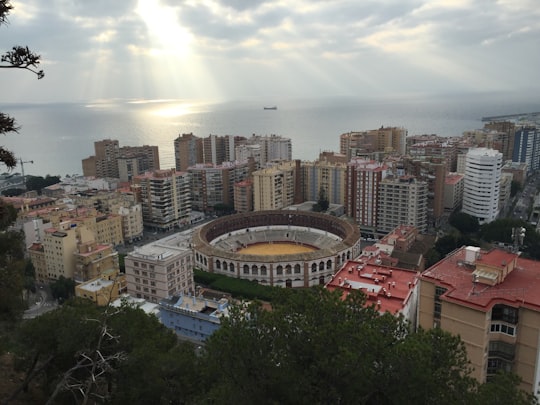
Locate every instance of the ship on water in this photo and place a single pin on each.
(270, 108)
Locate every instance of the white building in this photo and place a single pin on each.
(483, 168)
(161, 269)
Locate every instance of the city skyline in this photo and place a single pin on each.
(151, 49)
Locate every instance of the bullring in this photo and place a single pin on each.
(329, 242)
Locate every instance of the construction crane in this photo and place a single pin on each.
(22, 169)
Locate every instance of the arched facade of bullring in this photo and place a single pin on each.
(334, 241)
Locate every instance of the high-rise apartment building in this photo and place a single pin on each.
(187, 151)
(402, 201)
(327, 177)
(112, 161)
(243, 196)
(432, 170)
(527, 147)
(161, 269)
(441, 150)
(264, 149)
(165, 197)
(214, 184)
(482, 184)
(107, 152)
(508, 128)
(363, 182)
(490, 299)
(453, 191)
(134, 160)
(274, 188)
(357, 144)
(365, 143)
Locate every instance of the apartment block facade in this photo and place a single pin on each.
(243, 196)
(453, 191)
(53, 255)
(161, 269)
(490, 299)
(112, 161)
(527, 147)
(274, 188)
(326, 176)
(363, 182)
(165, 197)
(214, 184)
(402, 201)
(93, 259)
(482, 184)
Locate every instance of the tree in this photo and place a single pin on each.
(515, 187)
(63, 288)
(38, 183)
(322, 203)
(19, 57)
(12, 270)
(314, 347)
(464, 223)
(85, 354)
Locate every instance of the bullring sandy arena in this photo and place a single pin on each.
(280, 248)
(275, 248)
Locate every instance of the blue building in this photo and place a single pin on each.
(193, 318)
(527, 147)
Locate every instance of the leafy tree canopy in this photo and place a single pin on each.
(38, 183)
(314, 347)
(464, 223)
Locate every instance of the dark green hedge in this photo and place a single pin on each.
(237, 287)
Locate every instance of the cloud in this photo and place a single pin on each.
(235, 48)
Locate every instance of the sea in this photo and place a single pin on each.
(54, 138)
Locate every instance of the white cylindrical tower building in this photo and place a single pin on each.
(482, 184)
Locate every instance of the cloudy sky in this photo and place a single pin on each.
(227, 49)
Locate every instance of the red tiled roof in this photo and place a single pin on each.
(519, 288)
(453, 178)
(386, 287)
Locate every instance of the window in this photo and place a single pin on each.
(496, 364)
(504, 313)
(502, 350)
(437, 306)
(503, 328)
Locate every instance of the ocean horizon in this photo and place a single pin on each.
(56, 137)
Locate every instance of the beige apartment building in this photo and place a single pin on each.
(53, 256)
(402, 201)
(161, 269)
(490, 299)
(92, 259)
(275, 187)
